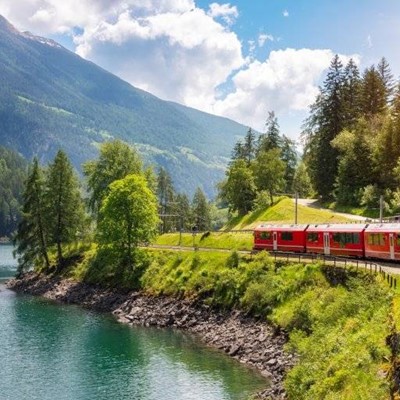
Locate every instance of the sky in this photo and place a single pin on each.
(240, 59)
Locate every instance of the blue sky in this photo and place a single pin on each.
(238, 59)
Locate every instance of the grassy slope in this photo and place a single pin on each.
(283, 212)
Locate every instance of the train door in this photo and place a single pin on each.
(327, 249)
(391, 244)
(275, 240)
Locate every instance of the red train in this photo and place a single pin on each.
(356, 240)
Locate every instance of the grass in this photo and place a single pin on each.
(216, 240)
(284, 212)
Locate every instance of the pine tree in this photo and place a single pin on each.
(325, 123)
(271, 138)
(387, 78)
(351, 94)
(65, 217)
(289, 157)
(31, 238)
(166, 199)
(373, 93)
(201, 211)
(184, 212)
(249, 146)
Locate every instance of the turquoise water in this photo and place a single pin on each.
(51, 351)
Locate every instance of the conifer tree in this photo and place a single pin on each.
(374, 93)
(31, 238)
(65, 217)
(166, 199)
(249, 146)
(201, 211)
(351, 94)
(387, 78)
(271, 138)
(184, 212)
(289, 157)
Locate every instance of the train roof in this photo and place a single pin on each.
(336, 227)
(385, 227)
(281, 227)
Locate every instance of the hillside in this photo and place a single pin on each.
(52, 98)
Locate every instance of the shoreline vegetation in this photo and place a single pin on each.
(314, 332)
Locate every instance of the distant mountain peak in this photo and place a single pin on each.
(43, 40)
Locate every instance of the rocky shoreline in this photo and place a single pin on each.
(251, 342)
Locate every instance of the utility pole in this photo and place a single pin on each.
(381, 209)
(295, 207)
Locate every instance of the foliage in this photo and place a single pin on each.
(12, 176)
(31, 238)
(116, 160)
(128, 217)
(65, 217)
(201, 211)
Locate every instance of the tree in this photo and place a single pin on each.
(116, 160)
(355, 166)
(166, 199)
(289, 157)
(239, 189)
(269, 171)
(31, 238)
(301, 181)
(128, 217)
(249, 146)
(351, 94)
(271, 138)
(65, 217)
(373, 93)
(386, 76)
(326, 121)
(184, 212)
(201, 211)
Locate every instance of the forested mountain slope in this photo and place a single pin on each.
(51, 98)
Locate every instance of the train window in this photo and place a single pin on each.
(287, 236)
(346, 238)
(312, 237)
(265, 235)
(398, 239)
(376, 239)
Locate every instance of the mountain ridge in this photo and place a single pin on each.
(52, 98)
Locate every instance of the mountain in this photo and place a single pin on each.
(51, 98)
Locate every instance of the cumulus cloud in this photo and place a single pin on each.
(286, 81)
(285, 13)
(226, 11)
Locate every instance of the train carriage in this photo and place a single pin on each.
(382, 241)
(280, 238)
(336, 239)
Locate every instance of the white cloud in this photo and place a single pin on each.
(263, 37)
(285, 13)
(226, 11)
(286, 82)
